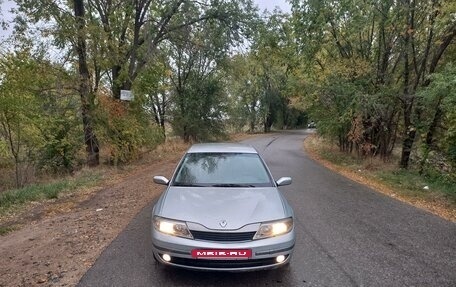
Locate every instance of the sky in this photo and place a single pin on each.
(271, 4)
(6, 6)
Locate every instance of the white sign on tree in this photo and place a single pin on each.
(126, 95)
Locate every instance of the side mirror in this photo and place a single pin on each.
(161, 180)
(284, 181)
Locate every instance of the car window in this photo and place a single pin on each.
(222, 170)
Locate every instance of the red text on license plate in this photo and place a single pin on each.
(222, 253)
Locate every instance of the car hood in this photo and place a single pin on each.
(209, 206)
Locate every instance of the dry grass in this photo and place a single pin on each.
(172, 146)
(176, 146)
(237, 137)
(382, 177)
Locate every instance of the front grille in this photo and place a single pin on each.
(205, 263)
(222, 236)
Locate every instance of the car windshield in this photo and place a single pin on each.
(222, 170)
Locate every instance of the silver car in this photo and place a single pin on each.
(222, 211)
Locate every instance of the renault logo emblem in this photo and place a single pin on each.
(223, 223)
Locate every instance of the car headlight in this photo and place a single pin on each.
(274, 228)
(171, 227)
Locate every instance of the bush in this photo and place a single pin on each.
(125, 128)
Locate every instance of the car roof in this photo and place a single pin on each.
(221, 148)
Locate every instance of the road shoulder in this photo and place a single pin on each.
(435, 207)
(60, 245)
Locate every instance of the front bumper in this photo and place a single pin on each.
(264, 252)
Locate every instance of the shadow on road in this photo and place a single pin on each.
(182, 277)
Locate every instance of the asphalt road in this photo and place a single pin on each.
(347, 235)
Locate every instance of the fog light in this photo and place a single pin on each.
(166, 257)
(280, 258)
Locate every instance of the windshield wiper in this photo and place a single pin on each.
(232, 185)
(187, 184)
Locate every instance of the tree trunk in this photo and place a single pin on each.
(91, 141)
(433, 127)
(429, 143)
(407, 145)
(116, 86)
(268, 122)
(252, 126)
(407, 104)
(409, 134)
(252, 117)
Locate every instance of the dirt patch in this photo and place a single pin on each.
(59, 241)
(436, 207)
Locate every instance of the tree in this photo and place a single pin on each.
(260, 80)
(135, 29)
(424, 43)
(402, 43)
(19, 111)
(198, 94)
(153, 89)
(87, 96)
(116, 40)
(439, 129)
(38, 124)
(244, 91)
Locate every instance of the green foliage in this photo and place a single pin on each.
(439, 110)
(334, 106)
(363, 64)
(244, 89)
(12, 199)
(126, 129)
(152, 90)
(6, 229)
(198, 54)
(274, 53)
(40, 127)
(448, 134)
(20, 110)
(411, 183)
(115, 42)
(63, 142)
(199, 113)
(61, 129)
(3, 149)
(260, 81)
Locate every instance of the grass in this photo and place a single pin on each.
(411, 183)
(10, 200)
(336, 157)
(6, 229)
(439, 196)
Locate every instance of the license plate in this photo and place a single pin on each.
(222, 253)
